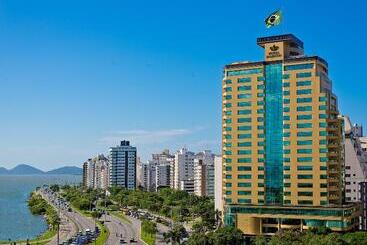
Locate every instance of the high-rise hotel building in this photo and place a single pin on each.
(282, 143)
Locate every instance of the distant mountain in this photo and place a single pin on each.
(3, 171)
(24, 169)
(67, 170)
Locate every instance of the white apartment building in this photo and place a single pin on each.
(218, 186)
(123, 165)
(355, 161)
(204, 174)
(183, 170)
(363, 141)
(96, 173)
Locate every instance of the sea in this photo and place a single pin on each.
(16, 221)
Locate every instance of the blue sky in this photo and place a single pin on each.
(78, 76)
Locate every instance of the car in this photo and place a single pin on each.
(133, 240)
(122, 241)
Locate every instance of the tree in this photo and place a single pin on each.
(199, 239)
(355, 238)
(287, 237)
(226, 235)
(175, 235)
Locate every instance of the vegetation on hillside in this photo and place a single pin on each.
(314, 236)
(39, 206)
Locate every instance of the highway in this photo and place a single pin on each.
(121, 229)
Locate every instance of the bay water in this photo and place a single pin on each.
(16, 221)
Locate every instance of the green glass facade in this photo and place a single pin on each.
(274, 134)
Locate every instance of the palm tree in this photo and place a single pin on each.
(218, 218)
(175, 235)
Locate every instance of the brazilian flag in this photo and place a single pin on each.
(274, 19)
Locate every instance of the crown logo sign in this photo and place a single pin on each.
(274, 48)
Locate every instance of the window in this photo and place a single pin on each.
(244, 72)
(228, 97)
(260, 94)
(260, 111)
(304, 125)
(260, 152)
(286, 85)
(229, 176)
(287, 151)
(286, 118)
(227, 144)
(244, 128)
(228, 192)
(228, 113)
(286, 92)
(304, 134)
(261, 143)
(304, 151)
(244, 176)
(242, 184)
(304, 83)
(244, 136)
(286, 126)
(229, 89)
(242, 104)
(304, 176)
(323, 142)
(244, 160)
(228, 128)
(260, 103)
(323, 159)
(244, 96)
(244, 80)
(305, 185)
(323, 150)
(244, 168)
(304, 168)
(244, 152)
(322, 99)
(243, 144)
(243, 88)
(228, 121)
(260, 119)
(304, 159)
(304, 142)
(228, 168)
(305, 202)
(260, 79)
(243, 120)
(304, 74)
(227, 152)
(244, 112)
(228, 81)
(286, 159)
(228, 105)
(304, 100)
(304, 108)
(286, 109)
(322, 133)
(260, 86)
(305, 193)
(261, 135)
(244, 201)
(304, 91)
(323, 116)
(260, 127)
(286, 76)
(244, 193)
(304, 117)
(227, 160)
(298, 67)
(228, 184)
(286, 101)
(228, 136)
(322, 125)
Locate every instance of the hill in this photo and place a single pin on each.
(24, 169)
(67, 170)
